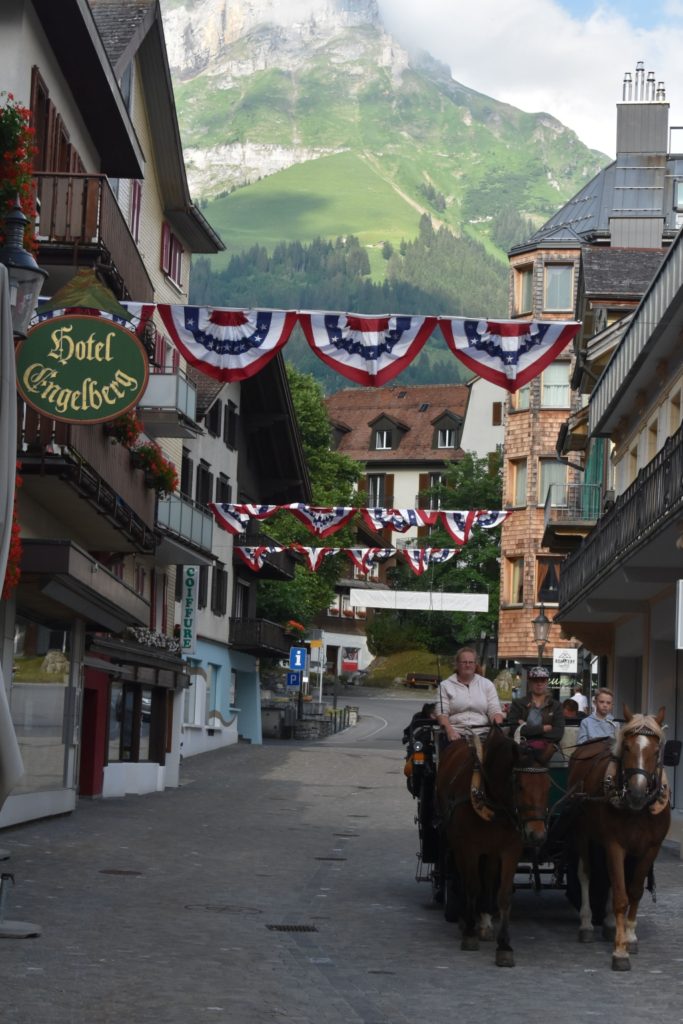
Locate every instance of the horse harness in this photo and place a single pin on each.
(616, 779)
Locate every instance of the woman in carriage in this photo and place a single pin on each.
(538, 716)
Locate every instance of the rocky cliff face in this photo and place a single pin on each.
(201, 34)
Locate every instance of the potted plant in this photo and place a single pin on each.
(333, 611)
(295, 629)
(160, 473)
(17, 149)
(348, 613)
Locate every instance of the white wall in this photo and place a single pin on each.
(479, 435)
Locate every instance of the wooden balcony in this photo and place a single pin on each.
(81, 224)
(259, 637)
(62, 464)
(571, 512)
(640, 517)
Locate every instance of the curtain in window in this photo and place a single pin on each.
(555, 386)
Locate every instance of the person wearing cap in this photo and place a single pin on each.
(467, 701)
(540, 716)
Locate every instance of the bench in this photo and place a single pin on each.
(421, 680)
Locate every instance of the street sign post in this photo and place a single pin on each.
(297, 659)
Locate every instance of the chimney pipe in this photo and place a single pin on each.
(640, 82)
(627, 90)
(661, 91)
(650, 86)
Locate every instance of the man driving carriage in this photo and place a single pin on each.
(466, 700)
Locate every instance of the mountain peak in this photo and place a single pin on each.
(201, 32)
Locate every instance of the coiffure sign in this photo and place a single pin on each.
(81, 369)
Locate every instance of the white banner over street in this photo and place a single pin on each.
(419, 600)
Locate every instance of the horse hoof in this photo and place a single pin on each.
(621, 963)
(505, 958)
(609, 932)
(469, 943)
(586, 935)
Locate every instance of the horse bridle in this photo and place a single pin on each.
(520, 821)
(616, 795)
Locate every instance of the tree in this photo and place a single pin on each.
(471, 483)
(332, 478)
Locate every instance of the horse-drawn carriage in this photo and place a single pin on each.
(492, 819)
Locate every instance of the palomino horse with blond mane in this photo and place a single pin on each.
(493, 800)
(623, 801)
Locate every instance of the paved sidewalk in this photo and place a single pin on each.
(276, 885)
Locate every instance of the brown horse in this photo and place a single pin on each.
(493, 799)
(624, 807)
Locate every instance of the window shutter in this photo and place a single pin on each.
(496, 414)
(388, 503)
(422, 501)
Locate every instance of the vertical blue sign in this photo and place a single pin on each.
(297, 659)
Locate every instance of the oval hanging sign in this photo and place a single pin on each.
(81, 369)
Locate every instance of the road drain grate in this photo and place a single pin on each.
(119, 871)
(330, 858)
(291, 928)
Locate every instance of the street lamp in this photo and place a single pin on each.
(25, 276)
(541, 626)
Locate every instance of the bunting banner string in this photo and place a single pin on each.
(419, 559)
(231, 344)
(323, 521)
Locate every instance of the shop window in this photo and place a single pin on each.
(132, 709)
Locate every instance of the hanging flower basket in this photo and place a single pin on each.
(17, 149)
(125, 429)
(160, 473)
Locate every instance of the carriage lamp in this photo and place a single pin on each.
(541, 625)
(25, 276)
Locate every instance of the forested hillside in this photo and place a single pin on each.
(436, 273)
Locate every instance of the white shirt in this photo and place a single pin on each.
(468, 704)
(582, 700)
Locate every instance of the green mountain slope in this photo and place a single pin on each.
(330, 197)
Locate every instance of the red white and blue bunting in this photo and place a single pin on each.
(368, 350)
(323, 521)
(419, 559)
(227, 344)
(507, 352)
(234, 344)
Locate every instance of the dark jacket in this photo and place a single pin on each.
(551, 714)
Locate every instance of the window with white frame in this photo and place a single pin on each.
(555, 386)
(559, 286)
(518, 476)
(376, 490)
(383, 440)
(552, 474)
(446, 438)
(547, 580)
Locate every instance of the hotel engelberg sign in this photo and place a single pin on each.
(81, 369)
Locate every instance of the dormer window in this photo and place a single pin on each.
(446, 438)
(447, 431)
(383, 440)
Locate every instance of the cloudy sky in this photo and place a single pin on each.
(566, 57)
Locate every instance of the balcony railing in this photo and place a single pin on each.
(80, 217)
(573, 503)
(652, 501)
(169, 405)
(259, 637)
(186, 520)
